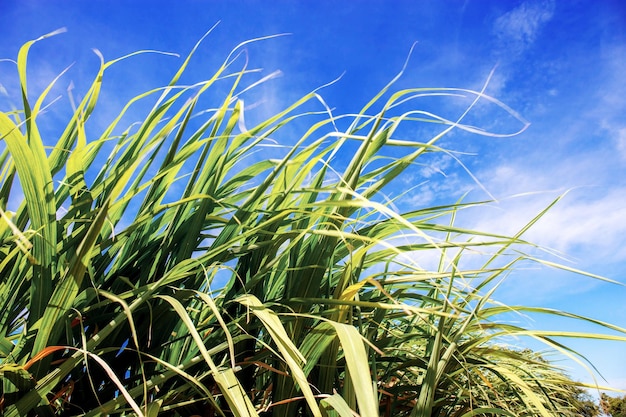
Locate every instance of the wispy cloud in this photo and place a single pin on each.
(586, 225)
(518, 28)
(580, 148)
(610, 101)
(620, 142)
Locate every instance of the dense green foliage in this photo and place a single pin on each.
(166, 268)
(614, 406)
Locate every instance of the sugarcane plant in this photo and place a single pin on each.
(175, 267)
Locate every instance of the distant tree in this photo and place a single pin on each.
(613, 406)
(584, 404)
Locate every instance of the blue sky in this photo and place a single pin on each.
(560, 65)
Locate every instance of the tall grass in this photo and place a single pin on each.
(165, 269)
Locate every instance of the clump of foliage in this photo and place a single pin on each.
(167, 270)
(614, 406)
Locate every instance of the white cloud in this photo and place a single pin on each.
(587, 224)
(518, 28)
(594, 227)
(431, 181)
(613, 65)
(610, 102)
(620, 142)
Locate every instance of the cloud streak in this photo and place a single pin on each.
(517, 29)
(587, 224)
